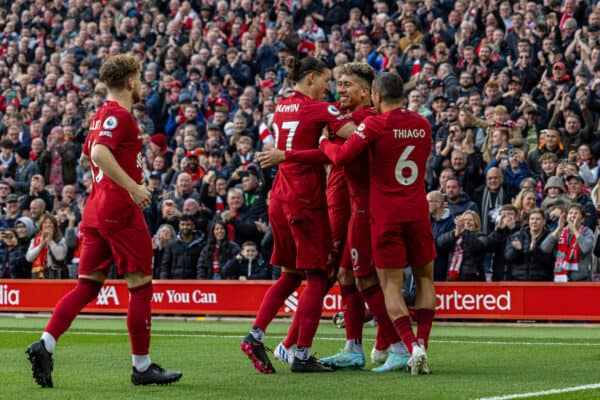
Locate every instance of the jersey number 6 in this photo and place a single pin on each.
(402, 164)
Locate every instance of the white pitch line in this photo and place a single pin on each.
(544, 392)
(210, 336)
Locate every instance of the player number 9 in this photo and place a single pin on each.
(354, 255)
(402, 164)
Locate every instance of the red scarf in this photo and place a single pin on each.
(39, 264)
(231, 228)
(456, 261)
(216, 268)
(567, 255)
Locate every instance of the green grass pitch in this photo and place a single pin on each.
(468, 362)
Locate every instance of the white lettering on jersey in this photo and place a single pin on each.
(288, 108)
(331, 109)
(95, 125)
(359, 131)
(110, 123)
(106, 133)
(409, 133)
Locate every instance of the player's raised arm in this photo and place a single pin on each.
(272, 157)
(352, 147)
(103, 157)
(346, 130)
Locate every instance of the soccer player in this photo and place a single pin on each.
(399, 142)
(357, 277)
(113, 228)
(298, 213)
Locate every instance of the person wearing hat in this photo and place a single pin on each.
(158, 145)
(193, 168)
(12, 211)
(575, 191)
(554, 195)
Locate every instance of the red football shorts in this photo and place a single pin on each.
(302, 238)
(338, 208)
(359, 246)
(130, 248)
(402, 244)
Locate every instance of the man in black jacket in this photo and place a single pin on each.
(181, 255)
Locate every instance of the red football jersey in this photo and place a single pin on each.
(356, 172)
(298, 123)
(399, 143)
(110, 205)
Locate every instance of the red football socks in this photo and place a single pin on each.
(354, 311)
(292, 336)
(386, 334)
(70, 305)
(404, 330)
(424, 320)
(310, 307)
(139, 318)
(274, 298)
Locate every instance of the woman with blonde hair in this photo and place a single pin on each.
(525, 202)
(48, 250)
(467, 245)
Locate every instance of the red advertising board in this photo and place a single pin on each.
(498, 301)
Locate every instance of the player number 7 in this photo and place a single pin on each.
(402, 164)
(291, 126)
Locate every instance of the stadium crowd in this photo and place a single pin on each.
(511, 90)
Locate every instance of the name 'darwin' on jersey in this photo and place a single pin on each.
(288, 108)
(409, 133)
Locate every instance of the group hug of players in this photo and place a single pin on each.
(363, 225)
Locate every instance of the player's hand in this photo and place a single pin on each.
(270, 157)
(141, 195)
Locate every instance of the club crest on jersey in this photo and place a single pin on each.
(110, 123)
(333, 110)
(106, 133)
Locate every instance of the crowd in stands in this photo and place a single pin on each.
(511, 89)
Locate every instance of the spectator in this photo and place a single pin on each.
(164, 235)
(47, 251)
(181, 254)
(218, 250)
(525, 202)
(238, 218)
(441, 222)
(25, 170)
(183, 190)
(248, 264)
(491, 197)
(467, 245)
(458, 201)
(508, 224)
(13, 264)
(37, 191)
(12, 212)
(573, 244)
(576, 194)
(201, 215)
(549, 144)
(527, 258)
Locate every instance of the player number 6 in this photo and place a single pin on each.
(402, 164)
